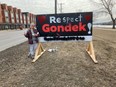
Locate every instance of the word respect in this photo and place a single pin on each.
(53, 19)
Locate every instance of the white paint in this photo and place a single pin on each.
(89, 25)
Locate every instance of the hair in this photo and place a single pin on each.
(32, 24)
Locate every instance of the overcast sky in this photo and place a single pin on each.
(47, 6)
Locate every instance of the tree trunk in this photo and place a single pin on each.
(113, 24)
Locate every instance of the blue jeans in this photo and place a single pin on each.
(32, 48)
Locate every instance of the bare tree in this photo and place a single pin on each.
(107, 7)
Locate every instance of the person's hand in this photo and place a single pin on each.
(35, 35)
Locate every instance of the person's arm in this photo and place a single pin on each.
(37, 34)
(26, 34)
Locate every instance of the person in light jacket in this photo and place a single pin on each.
(32, 34)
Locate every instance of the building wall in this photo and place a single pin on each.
(11, 14)
(12, 17)
(26, 16)
(5, 15)
(1, 14)
(34, 19)
(15, 14)
(30, 17)
(20, 16)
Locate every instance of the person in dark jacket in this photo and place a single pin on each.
(32, 34)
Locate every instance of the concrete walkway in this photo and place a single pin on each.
(9, 38)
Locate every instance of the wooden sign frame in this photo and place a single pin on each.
(39, 51)
(90, 50)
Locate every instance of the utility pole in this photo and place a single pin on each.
(61, 7)
(55, 6)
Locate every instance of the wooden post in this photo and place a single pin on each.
(90, 51)
(39, 52)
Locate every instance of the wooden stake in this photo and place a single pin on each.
(39, 52)
(90, 51)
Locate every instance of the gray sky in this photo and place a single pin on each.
(47, 6)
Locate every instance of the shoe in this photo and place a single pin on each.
(29, 55)
(32, 56)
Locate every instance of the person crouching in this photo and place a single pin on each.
(32, 34)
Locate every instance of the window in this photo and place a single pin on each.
(24, 19)
(17, 18)
(21, 18)
(12, 20)
(28, 20)
(21, 21)
(6, 16)
(7, 19)
(6, 13)
(12, 17)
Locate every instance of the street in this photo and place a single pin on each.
(9, 38)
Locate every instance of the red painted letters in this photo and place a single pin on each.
(68, 28)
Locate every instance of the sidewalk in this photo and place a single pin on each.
(9, 38)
